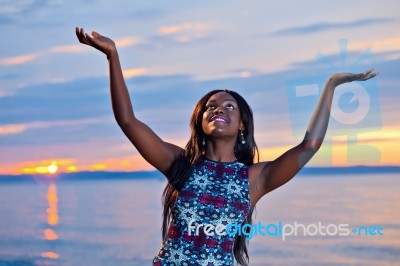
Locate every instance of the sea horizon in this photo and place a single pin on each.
(155, 174)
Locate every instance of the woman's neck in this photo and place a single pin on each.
(220, 151)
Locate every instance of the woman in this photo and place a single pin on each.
(213, 181)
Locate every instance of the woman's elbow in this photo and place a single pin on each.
(312, 144)
(125, 122)
(309, 149)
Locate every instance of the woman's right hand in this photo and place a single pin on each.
(101, 43)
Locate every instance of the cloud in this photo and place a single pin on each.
(70, 48)
(380, 45)
(79, 110)
(164, 103)
(19, 128)
(183, 33)
(55, 101)
(183, 27)
(325, 26)
(127, 41)
(12, 129)
(133, 72)
(79, 48)
(22, 59)
(182, 39)
(234, 73)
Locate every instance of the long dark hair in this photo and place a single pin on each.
(181, 169)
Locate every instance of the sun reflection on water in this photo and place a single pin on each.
(52, 220)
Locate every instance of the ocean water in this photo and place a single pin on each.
(117, 222)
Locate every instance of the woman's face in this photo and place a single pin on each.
(221, 117)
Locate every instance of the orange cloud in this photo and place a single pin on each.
(384, 141)
(12, 129)
(382, 45)
(127, 163)
(72, 48)
(133, 72)
(127, 41)
(47, 166)
(19, 128)
(182, 39)
(17, 60)
(68, 165)
(184, 27)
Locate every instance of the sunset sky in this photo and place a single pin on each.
(55, 111)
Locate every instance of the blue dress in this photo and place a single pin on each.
(218, 194)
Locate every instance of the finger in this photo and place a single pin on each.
(370, 75)
(373, 74)
(85, 38)
(90, 40)
(369, 71)
(363, 75)
(80, 33)
(96, 34)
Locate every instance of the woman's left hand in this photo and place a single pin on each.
(340, 78)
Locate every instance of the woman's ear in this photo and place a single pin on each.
(241, 126)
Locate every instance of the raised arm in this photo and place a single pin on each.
(158, 153)
(267, 176)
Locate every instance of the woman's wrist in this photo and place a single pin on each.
(332, 82)
(112, 55)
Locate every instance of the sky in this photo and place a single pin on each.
(55, 110)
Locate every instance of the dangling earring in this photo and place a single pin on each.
(242, 137)
(203, 143)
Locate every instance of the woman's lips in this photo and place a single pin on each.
(218, 118)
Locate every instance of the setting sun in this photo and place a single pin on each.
(43, 167)
(52, 168)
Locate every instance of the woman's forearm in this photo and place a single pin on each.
(120, 100)
(318, 124)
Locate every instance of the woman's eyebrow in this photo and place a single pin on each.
(227, 100)
(231, 100)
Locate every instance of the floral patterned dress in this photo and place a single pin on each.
(216, 193)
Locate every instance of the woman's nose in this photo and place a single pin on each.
(218, 110)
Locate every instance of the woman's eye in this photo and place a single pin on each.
(230, 106)
(210, 107)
